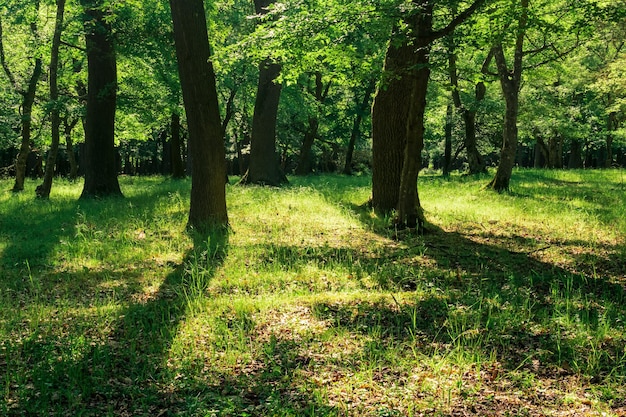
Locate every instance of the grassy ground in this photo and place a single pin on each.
(512, 305)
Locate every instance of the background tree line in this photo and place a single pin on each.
(450, 84)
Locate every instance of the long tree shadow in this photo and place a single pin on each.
(120, 374)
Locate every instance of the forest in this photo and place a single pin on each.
(313, 207)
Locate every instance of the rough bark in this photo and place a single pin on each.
(361, 108)
(100, 155)
(612, 126)
(389, 123)
(409, 211)
(178, 171)
(43, 191)
(264, 167)
(206, 142)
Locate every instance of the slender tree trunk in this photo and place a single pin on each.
(264, 165)
(178, 170)
(612, 126)
(43, 191)
(28, 101)
(100, 154)
(305, 163)
(447, 153)
(206, 141)
(501, 181)
(475, 160)
(510, 81)
(361, 108)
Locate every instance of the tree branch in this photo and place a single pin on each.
(462, 17)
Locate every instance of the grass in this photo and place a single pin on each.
(512, 305)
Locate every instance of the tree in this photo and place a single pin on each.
(206, 142)
(43, 191)
(264, 165)
(399, 108)
(28, 98)
(100, 154)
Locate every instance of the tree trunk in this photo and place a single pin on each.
(447, 153)
(43, 191)
(389, 123)
(206, 141)
(178, 170)
(69, 146)
(305, 165)
(100, 154)
(409, 211)
(510, 81)
(612, 126)
(576, 155)
(475, 160)
(264, 165)
(361, 108)
(27, 110)
(502, 179)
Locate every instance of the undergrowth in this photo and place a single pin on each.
(312, 305)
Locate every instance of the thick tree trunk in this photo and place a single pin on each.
(178, 170)
(264, 165)
(361, 108)
(206, 141)
(43, 191)
(100, 153)
(27, 110)
(389, 123)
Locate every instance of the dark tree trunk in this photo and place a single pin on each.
(612, 126)
(410, 213)
(100, 154)
(389, 123)
(178, 170)
(361, 108)
(305, 160)
(206, 141)
(501, 181)
(27, 110)
(475, 160)
(576, 155)
(510, 81)
(264, 165)
(69, 146)
(447, 153)
(43, 191)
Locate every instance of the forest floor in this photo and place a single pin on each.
(312, 305)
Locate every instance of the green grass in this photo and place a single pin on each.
(312, 305)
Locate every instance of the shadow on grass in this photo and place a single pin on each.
(120, 375)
